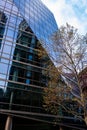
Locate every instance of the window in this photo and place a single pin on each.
(30, 57)
(28, 74)
(27, 81)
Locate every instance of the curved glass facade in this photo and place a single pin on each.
(23, 24)
(38, 17)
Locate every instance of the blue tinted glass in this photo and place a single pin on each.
(27, 81)
(38, 17)
(30, 57)
(28, 73)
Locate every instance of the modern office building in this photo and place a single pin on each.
(24, 26)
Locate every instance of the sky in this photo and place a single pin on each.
(73, 12)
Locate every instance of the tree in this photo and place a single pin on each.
(68, 53)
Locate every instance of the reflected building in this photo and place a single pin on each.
(27, 24)
(25, 72)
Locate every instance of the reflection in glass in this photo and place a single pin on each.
(21, 77)
(3, 20)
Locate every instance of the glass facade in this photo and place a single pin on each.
(23, 24)
(38, 17)
(3, 19)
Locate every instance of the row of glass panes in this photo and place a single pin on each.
(9, 22)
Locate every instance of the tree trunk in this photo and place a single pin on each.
(60, 128)
(8, 125)
(85, 119)
(85, 114)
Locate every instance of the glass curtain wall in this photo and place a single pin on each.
(21, 70)
(20, 67)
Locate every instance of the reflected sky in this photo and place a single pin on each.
(39, 19)
(8, 40)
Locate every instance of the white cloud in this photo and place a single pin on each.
(79, 3)
(86, 11)
(64, 12)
